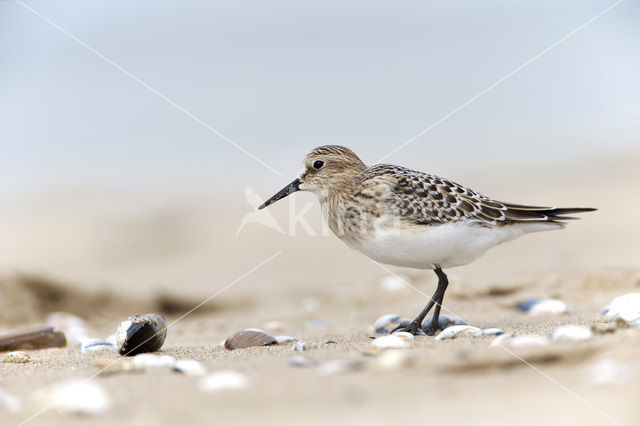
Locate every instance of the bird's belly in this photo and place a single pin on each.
(423, 246)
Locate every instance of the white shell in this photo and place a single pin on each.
(456, 331)
(625, 308)
(394, 360)
(76, 396)
(280, 340)
(491, 332)
(147, 360)
(400, 340)
(571, 334)
(549, 307)
(10, 401)
(525, 341)
(92, 345)
(189, 367)
(17, 357)
(387, 322)
(224, 380)
(394, 283)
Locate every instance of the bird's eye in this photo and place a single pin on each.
(318, 164)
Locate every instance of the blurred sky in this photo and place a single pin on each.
(279, 78)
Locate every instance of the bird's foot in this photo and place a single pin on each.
(430, 330)
(413, 328)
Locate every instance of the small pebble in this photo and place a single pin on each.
(394, 360)
(281, 340)
(302, 361)
(491, 332)
(571, 334)
(17, 357)
(625, 308)
(339, 366)
(388, 322)
(444, 321)
(247, 338)
(224, 380)
(394, 283)
(75, 396)
(512, 341)
(544, 307)
(9, 401)
(456, 331)
(305, 346)
(400, 340)
(92, 345)
(141, 333)
(189, 367)
(147, 361)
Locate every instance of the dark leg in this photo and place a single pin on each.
(436, 300)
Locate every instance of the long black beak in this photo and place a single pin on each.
(289, 189)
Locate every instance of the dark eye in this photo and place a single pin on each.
(318, 164)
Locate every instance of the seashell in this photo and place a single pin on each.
(400, 340)
(444, 321)
(247, 338)
(75, 396)
(141, 333)
(609, 371)
(9, 401)
(339, 366)
(148, 361)
(301, 361)
(73, 327)
(17, 357)
(388, 322)
(544, 307)
(625, 308)
(189, 367)
(304, 346)
(456, 331)
(281, 340)
(394, 283)
(571, 334)
(394, 360)
(93, 345)
(39, 337)
(491, 332)
(525, 341)
(223, 380)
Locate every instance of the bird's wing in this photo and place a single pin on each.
(425, 199)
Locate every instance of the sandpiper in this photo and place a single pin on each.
(403, 217)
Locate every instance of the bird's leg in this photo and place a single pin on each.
(436, 300)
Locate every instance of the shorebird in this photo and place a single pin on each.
(407, 218)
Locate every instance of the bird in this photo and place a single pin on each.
(407, 218)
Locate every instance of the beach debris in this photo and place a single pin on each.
(444, 321)
(339, 366)
(38, 337)
(9, 401)
(608, 371)
(16, 357)
(223, 380)
(93, 345)
(491, 332)
(141, 333)
(400, 340)
(281, 340)
(301, 346)
(394, 282)
(302, 361)
(73, 327)
(189, 367)
(525, 341)
(388, 322)
(75, 396)
(625, 309)
(247, 338)
(544, 307)
(394, 360)
(274, 327)
(456, 331)
(571, 334)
